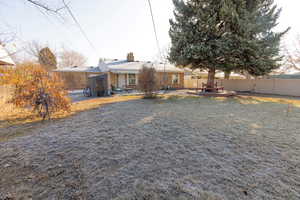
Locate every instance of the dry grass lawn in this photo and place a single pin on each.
(17, 121)
(11, 115)
(176, 147)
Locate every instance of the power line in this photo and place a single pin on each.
(154, 28)
(50, 21)
(79, 26)
(157, 43)
(45, 7)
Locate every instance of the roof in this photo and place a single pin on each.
(5, 59)
(295, 75)
(123, 66)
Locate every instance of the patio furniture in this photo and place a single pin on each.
(128, 89)
(216, 88)
(87, 92)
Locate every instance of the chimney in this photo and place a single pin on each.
(130, 57)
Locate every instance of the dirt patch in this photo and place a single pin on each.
(184, 148)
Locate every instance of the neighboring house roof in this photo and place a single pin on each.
(89, 69)
(287, 76)
(288, 71)
(5, 59)
(219, 74)
(121, 66)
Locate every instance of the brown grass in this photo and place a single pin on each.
(16, 122)
(10, 115)
(260, 99)
(245, 99)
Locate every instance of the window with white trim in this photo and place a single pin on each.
(175, 78)
(131, 79)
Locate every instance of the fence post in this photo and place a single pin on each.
(273, 89)
(254, 85)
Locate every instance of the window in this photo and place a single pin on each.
(131, 79)
(175, 79)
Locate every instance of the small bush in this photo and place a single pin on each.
(36, 88)
(147, 82)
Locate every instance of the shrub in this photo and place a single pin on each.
(36, 88)
(147, 82)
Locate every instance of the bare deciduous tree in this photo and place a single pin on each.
(33, 49)
(42, 54)
(69, 58)
(292, 56)
(7, 36)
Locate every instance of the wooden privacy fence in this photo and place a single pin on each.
(289, 87)
(194, 83)
(197, 83)
(75, 80)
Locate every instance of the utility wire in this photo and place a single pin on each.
(154, 28)
(51, 22)
(79, 26)
(157, 43)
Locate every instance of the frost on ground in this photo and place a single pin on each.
(189, 148)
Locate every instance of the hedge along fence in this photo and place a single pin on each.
(289, 87)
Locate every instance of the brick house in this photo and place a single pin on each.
(123, 73)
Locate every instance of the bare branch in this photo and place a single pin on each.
(69, 58)
(6, 37)
(292, 58)
(45, 7)
(34, 48)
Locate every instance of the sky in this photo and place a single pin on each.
(114, 27)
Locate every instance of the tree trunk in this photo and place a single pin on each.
(227, 75)
(211, 79)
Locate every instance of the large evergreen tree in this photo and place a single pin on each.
(227, 35)
(47, 59)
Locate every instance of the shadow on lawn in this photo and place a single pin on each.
(22, 122)
(242, 99)
(289, 105)
(19, 122)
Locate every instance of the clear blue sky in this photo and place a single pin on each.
(115, 27)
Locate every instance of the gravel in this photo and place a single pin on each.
(179, 148)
